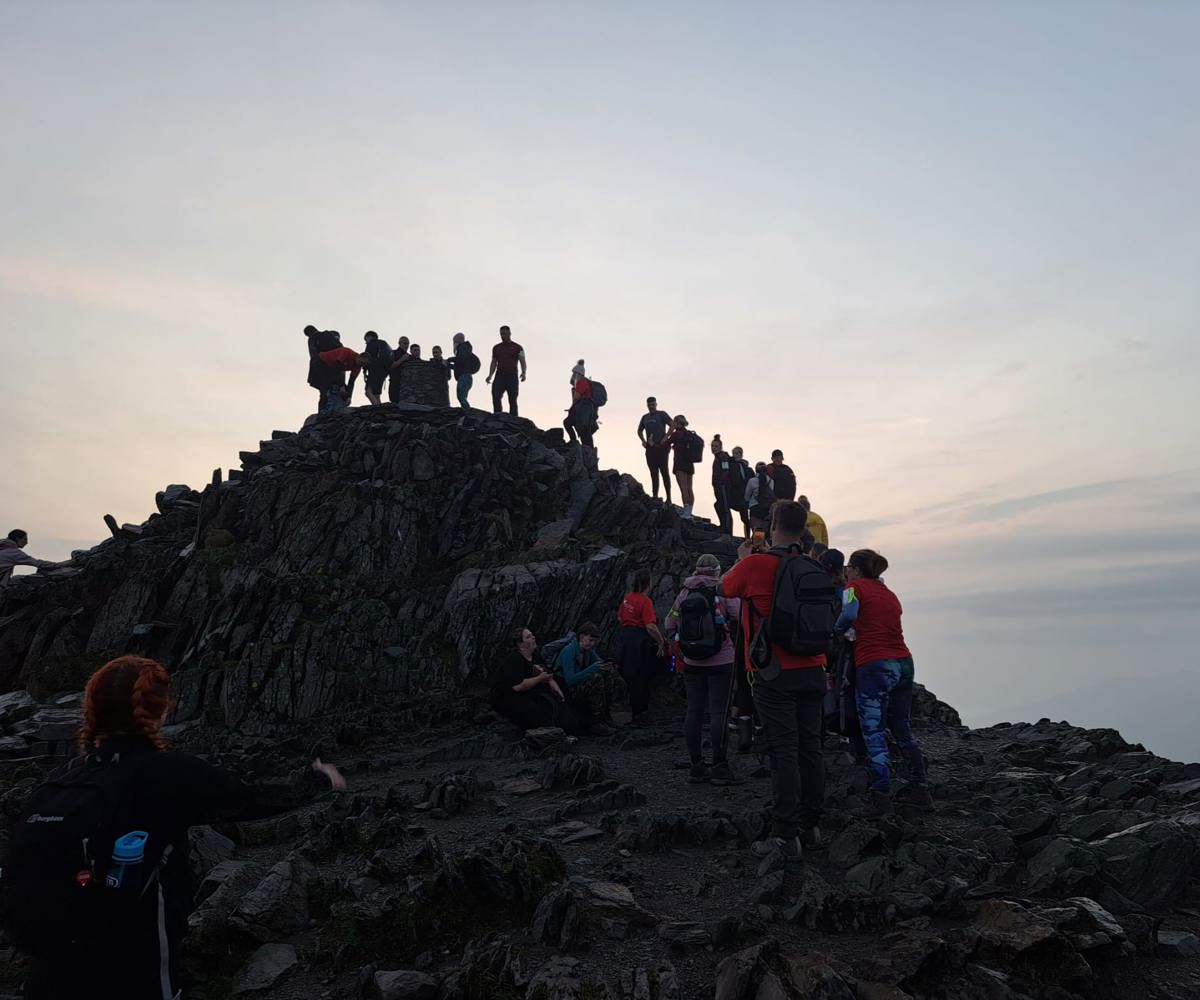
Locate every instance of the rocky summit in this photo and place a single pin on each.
(344, 594)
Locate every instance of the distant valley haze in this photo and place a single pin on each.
(944, 256)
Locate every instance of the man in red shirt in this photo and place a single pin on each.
(789, 703)
(341, 359)
(507, 357)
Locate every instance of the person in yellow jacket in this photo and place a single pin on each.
(815, 522)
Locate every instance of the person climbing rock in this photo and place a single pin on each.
(592, 685)
(883, 678)
(319, 375)
(789, 688)
(653, 430)
(581, 417)
(379, 366)
(524, 691)
(640, 642)
(702, 622)
(12, 554)
(507, 358)
(92, 928)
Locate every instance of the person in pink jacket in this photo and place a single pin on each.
(702, 622)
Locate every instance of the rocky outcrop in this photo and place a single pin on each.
(384, 553)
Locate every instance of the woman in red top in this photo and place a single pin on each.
(883, 677)
(581, 416)
(640, 641)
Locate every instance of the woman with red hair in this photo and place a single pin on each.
(89, 935)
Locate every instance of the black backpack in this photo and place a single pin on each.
(803, 610)
(785, 482)
(695, 447)
(766, 496)
(699, 634)
(52, 883)
(470, 362)
(380, 354)
(599, 393)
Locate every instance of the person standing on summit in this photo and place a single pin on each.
(464, 364)
(507, 357)
(652, 431)
(782, 476)
(721, 470)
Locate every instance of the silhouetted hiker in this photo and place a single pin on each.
(379, 365)
(739, 477)
(760, 497)
(12, 554)
(592, 684)
(702, 622)
(399, 360)
(689, 449)
(524, 691)
(816, 523)
(318, 375)
(844, 708)
(789, 682)
(581, 417)
(883, 677)
(640, 640)
(782, 476)
(464, 364)
(653, 431)
(339, 360)
(414, 352)
(507, 357)
(721, 467)
(99, 929)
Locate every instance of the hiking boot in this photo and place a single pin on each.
(698, 773)
(600, 729)
(916, 794)
(745, 735)
(723, 774)
(810, 839)
(791, 848)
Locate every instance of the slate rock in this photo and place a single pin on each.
(403, 984)
(265, 968)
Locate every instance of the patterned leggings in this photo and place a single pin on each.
(885, 690)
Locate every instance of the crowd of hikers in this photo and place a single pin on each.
(792, 643)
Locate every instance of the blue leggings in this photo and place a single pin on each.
(885, 689)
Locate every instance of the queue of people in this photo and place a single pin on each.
(792, 634)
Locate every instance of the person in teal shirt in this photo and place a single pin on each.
(592, 683)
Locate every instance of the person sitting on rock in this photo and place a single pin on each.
(399, 360)
(592, 683)
(702, 622)
(524, 691)
(12, 554)
(640, 641)
(883, 677)
(86, 942)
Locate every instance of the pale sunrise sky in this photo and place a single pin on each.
(944, 255)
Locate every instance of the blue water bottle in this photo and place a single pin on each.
(128, 854)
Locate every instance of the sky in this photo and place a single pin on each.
(943, 254)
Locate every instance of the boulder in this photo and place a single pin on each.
(403, 984)
(266, 967)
